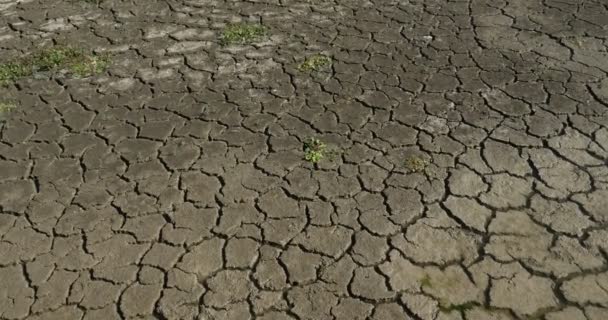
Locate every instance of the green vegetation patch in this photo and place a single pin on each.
(415, 164)
(315, 150)
(90, 65)
(315, 63)
(74, 61)
(87, 2)
(5, 108)
(13, 71)
(457, 307)
(242, 33)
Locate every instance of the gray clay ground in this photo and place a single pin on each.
(469, 177)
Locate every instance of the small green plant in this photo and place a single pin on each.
(315, 63)
(5, 108)
(415, 164)
(72, 60)
(314, 150)
(242, 33)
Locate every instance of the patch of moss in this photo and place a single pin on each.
(415, 164)
(242, 33)
(315, 63)
(72, 60)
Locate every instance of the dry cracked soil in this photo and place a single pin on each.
(329, 160)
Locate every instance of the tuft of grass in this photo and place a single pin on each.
(75, 61)
(415, 164)
(242, 33)
(5, 108)
(314, 63)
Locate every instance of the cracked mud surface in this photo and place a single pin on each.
(174, 185)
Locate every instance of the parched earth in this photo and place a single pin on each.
(468, 178)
